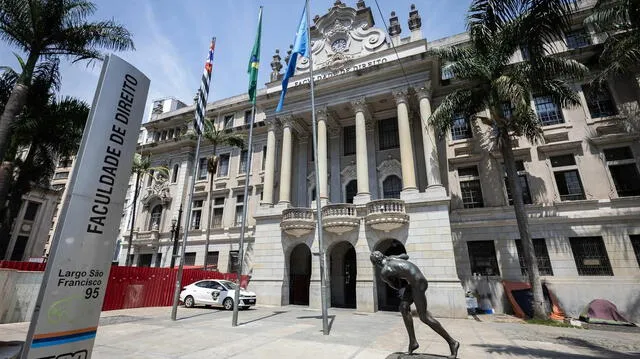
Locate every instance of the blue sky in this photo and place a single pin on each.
(172, 39)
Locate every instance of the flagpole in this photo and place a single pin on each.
(319, 230)
(176, 294)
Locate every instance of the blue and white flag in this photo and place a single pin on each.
(300, 47)
(203, 93)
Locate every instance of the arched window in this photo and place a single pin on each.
(351, 190)
(174, 175)
(391, 187)
(156, 214)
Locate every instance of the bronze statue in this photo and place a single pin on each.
(406, 277)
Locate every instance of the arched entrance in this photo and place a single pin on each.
(299, 275)
(388, 297)
(343, 275)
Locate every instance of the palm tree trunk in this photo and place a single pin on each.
(14, 105)
(539, 311)
(209, 216)
(133, 218)
(6, 178)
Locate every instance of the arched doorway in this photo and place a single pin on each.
(342, 265)
(388, 297)
(351, 190)
(299, 275)
(156, 214)
(391, 187)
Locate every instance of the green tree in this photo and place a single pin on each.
(47, 29)
(620, 20)
(489, 81)
(141, 167)
(49, 128)
(216, 137)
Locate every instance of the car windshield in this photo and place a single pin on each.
(229, 285)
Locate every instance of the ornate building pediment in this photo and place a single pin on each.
(389, 167)
(342, 36)
(159, 191)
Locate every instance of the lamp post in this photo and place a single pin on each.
(175, 230)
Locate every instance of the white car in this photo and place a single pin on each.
(218, 293)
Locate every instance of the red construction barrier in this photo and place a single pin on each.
(23, 266)
(135, 287)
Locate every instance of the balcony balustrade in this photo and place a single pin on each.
(386, 214)
(340, 218)
(297, 221)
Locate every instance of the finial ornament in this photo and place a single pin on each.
(415, 22)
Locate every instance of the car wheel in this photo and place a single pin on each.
(189, 302)
(228, 304)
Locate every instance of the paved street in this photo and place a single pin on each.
(296, 332)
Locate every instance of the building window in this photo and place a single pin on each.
(239, 210)
(313, 194)
(590, 256)
(524, 183)
(388, 134)
(247, 117)
(548, 112)
(150, 178)
(202, 169)
(174, 174)
(541, 254)
(171, 132)
(391, 187)
(212, 260)
(61, 175)
(524, 51)
(163, 136)
(156, 136)
(461, 128)
(223, 165)
(349, 140)
(144, 260)
(243, 161)
(31, 211)
(635, 243)
(470, 188)
(156, 214)
(228, 122)
(264, 156)
(482, 257)
(65, 162)
(196, 214)
(624, 171)
(234, 261)
(19, 248)
(446, 73)
(577, 39)
(599, 101)
(351, 191)
(567, 178)
(218, 211)
(190, 258)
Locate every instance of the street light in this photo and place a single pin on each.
(175, 231)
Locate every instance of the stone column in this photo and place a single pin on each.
(285, 166)
(429, 139)
(406, 145)
(322, 193)
(270, 163)
(360, 107)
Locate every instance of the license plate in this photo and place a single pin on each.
(250, 301)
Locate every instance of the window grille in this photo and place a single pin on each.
(577, 39)
(388, 134)
(349, 139)
(599, 101)
(482, 257)
(591, 256)
(470, 188)
(542, 256)
(461, 128)
(548, 112)
(391, 186)
(624, 171)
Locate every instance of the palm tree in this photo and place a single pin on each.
(141, 166)
(50, 128)
(620, 19)
(216, 137)
(51, 28)
(498, 28)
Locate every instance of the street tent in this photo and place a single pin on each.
(602, 311)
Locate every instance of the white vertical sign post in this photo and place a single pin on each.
(67, 311)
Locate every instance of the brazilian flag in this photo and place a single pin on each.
(254, 62)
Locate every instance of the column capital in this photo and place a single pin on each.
(424, 92)
(401, 95)
(360, 105)
(334, 131)
(322, 114)
(286, 121)
(271, 123)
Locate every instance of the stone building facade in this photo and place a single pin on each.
(389, 182)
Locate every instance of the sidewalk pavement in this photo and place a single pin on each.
(296, 332)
